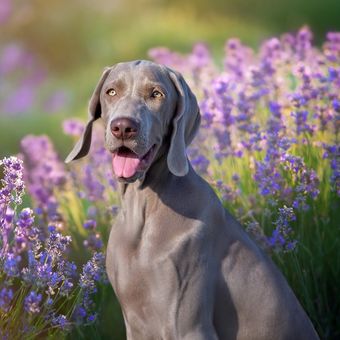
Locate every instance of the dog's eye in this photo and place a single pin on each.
(111, 92)
(156, 94)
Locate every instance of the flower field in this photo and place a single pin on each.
(269, 146)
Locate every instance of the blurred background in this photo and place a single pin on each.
(52, 52)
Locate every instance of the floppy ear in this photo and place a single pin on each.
(82, 147)
(185, 124)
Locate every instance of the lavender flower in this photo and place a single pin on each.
(306, 180)
(12, 184)
(57, 244)
(93, 241)
(332, 152)
(60, 321)
(301, 117)
(25, 232)
(42, 174)
(5, 10)
(238, 57)
(268, 178)
(6, 297)
(21, 100)
(280, 240)
(94, 187)
(331, 47)
(32, 302)
(93, 273)
(11, 194)
(73, 127)
(200, 163)
(11, 264)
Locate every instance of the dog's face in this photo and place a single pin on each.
(142, 103)
(137, 103)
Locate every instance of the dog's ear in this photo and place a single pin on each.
(82, 147)
(185, 124)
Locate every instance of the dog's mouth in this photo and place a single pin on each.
(127, 163)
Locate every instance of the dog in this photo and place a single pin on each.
(181, 266)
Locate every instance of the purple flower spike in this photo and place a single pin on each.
(43, 171)
(11, 264)
(90, 224)
(12, 184)
(32, 302)
(6, 297)
(280, 240)
(61, 322)
(73, 127)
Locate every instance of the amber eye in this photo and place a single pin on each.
(156, 94)
(111, 92)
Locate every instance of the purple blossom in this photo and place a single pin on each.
(6, 297)
(304, 40)
(194, 63)
(43, 171)
(12, 184)
(92, 212)
(238, 58)
(25, 232)
(21, 100)
(32, 302)
(200, 56)
(13, 57)
(301, 118)
(60, 321)
(200, 163)
(280, 240)
(163, 55)
(94, 242)
(332, 152)
(269, 179)
(336, 105)
(331, 47)
(5, 10)
(11, 264)
(43, 256)
(228, 193)
(94, 187)
(93, 271)
(73, 127)
(275, 108)
(90, 224)
(306, 181)
(91, 318)
(57, 244)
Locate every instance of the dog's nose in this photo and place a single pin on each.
(124, 128)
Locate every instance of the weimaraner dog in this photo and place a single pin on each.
(181, 266)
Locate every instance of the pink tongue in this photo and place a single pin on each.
(125, 164)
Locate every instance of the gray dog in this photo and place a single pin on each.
(181, 266)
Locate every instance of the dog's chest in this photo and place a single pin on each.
(143, 280)
(144, 265)
(138, 255)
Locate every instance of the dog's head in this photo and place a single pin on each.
(142, 104)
